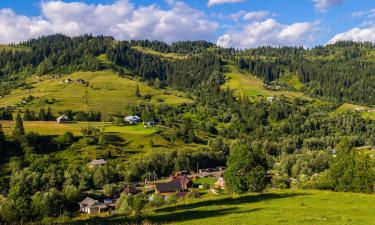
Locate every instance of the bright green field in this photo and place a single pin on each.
(170, 56)
(107, 93)
(251, 86)
(346, 107)
(53, 128)
(296, 207)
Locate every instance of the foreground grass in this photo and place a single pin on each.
(274, 207)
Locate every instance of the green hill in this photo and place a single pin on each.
(274, 207)
(106, 92)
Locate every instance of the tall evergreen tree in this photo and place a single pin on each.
(27, 115)
(19, 130)
(42, 115)
(49, 114)
(137, 93)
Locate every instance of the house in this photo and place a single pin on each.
(68, 80)
(81, 81)
(132, 119)
(131, 190)
(168, 188)
(149, 123)
(178, 183)
(62, 119)
(90, 206)
(97, 162)
(184, 181)
(360, 109)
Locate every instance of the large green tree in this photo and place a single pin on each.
(246, 169)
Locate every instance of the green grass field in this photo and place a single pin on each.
(246, 84)
(291, 80)
(346, 107)
(170, 56)
(107, 93)
(297, 207)
(52, 128)
(14, 48)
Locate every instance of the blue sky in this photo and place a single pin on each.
(230, 23)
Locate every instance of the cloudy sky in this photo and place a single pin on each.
(229, 23)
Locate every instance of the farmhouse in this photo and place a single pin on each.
(62, 119)
(89, 205)
(81, 81)
(132, 119)
(97, 162)
(177, 184)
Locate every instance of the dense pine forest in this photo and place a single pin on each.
(265, 141)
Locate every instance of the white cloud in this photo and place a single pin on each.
(356, 34)
(219, 2)
(324, 5)
(258, 15)
(269, 32)
(120, 19)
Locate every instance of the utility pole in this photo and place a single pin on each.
(197, 167)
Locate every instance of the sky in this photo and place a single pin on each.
(229, 23)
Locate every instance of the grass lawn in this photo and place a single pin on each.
(53, 128)
(346, 107)
(107, 93)
(136, 129)
(246, 84)
(275, 207)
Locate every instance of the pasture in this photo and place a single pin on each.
(106, 92)
(297, 207)
(245, 84)
(51, 128)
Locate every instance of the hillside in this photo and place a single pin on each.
(107, 93)
(300, 207)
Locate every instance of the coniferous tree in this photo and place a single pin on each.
(42, 115)
(49, 115)
(27, 115)
(2, 136)
(137, 93)
(19, 130)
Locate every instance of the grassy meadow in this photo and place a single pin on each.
(106, 92)
(52, 128)
(297, 207)
(245, 84)
(169, 56)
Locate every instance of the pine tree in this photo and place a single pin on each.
(49, 114)
(137, 93)
(27, 115)
(2, 136)
(19, 130)
(42, 115)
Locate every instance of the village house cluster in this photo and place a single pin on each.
(179, 183)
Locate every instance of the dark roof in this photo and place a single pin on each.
(183, 180)
(131, 190)
(168, 187)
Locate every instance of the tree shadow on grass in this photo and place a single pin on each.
(190, 211)
(231, 201)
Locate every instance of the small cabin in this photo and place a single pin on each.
(132, 120)
(62, 119)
